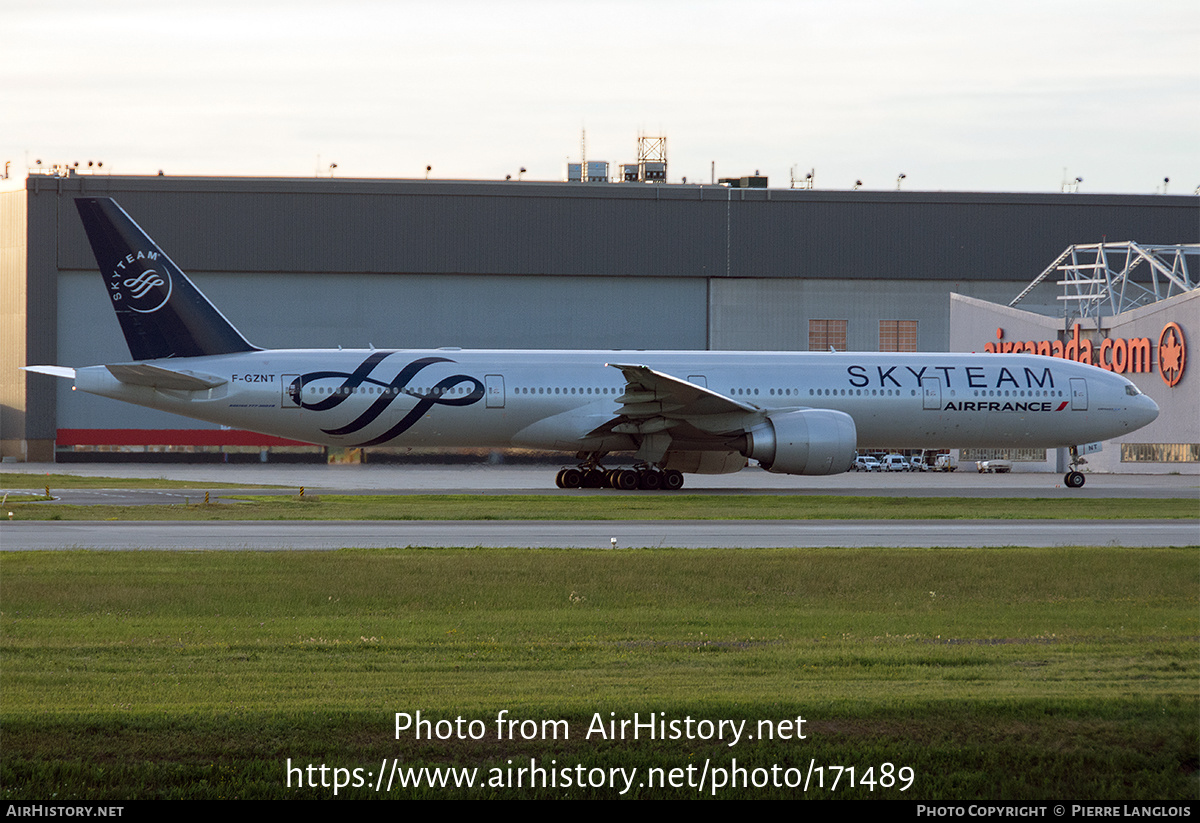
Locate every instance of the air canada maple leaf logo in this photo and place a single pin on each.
(1172, 353)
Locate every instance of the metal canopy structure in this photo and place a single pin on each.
(1097, 278)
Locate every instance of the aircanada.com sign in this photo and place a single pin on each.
(1116, 354)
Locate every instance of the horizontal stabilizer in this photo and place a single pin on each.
(53, 371)
(143, 374)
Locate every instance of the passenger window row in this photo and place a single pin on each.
(565, 390)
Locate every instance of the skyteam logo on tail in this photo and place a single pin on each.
(135, 285)
(143, 283)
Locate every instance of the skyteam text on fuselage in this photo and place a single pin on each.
(677, 411)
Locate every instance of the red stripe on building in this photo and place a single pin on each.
(170, 437)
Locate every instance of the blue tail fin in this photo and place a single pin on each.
(161, 312)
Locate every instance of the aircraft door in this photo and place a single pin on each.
(931, 393)
(291, 386)
(1078, 394)
(698, 380)
(493, 387)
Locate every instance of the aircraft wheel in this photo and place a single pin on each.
(672, 480)
(610, 478)
(572, 478)
(593, 479)
(626, 479)
(558, 479)
(650, 480)
(1074, 480)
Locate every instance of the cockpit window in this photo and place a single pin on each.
(1131, 390)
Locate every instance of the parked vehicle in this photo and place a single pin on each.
(945, 463)
(917, 463)
(866, 463)
(896, 463)
(994, 466)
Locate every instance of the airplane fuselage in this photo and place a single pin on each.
(554, 399)
(702, 412)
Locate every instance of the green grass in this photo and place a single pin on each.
(616, 506)
(995, 674)
(24, 480)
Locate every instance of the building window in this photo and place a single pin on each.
(1160, 452)
(897, 335)
(1015, 455)
(825, 333)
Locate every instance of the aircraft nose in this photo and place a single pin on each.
(1147, 411)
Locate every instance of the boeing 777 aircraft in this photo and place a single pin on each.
(705, 412)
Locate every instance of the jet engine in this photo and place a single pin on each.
(703, 462)
(810, 441)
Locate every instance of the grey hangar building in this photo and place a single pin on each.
(324, 262)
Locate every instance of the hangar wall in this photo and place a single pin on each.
(14, 296)
(762, 313)
(414, 263)
(1169, 444)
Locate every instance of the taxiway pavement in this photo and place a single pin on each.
(539, 479)
(323, 535)
(590, 534)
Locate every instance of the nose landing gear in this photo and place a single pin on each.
(1074, 479)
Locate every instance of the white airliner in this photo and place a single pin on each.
(704, 412)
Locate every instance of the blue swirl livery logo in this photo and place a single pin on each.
(134, 284)
(145, 284)
(391, 391)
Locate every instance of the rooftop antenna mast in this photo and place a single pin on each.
(652, 159)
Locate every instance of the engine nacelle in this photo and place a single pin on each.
(703, 462)
(810, 441)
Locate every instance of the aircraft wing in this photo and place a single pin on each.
(654, 401)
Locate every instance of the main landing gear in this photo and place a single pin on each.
(1074, 478)
(646, 478)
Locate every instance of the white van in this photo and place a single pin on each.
(895, 463)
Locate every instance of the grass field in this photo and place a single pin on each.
(24, 480)
(1005, 674)
(621, 507)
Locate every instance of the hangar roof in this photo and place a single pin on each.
(336, 226)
